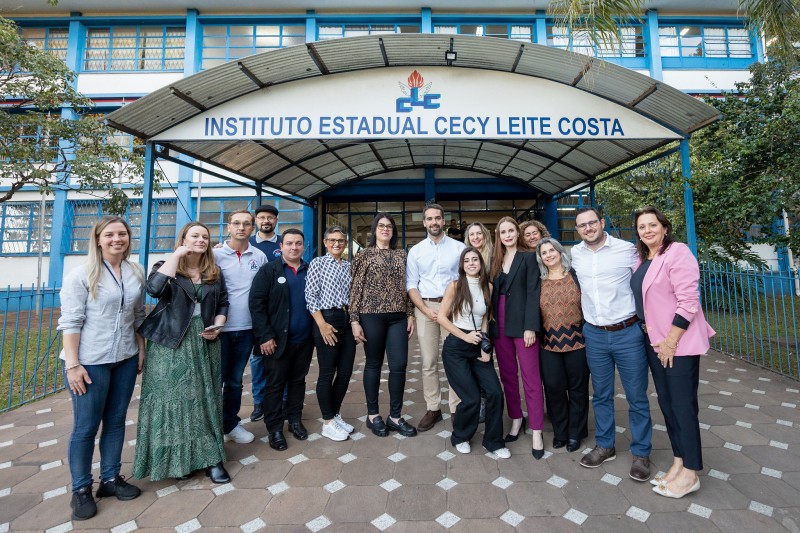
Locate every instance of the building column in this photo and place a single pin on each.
(430, 184)
(426, 25)
(551, 218)
(541, 27)
(653, 44)
(688, 197)
(311, 26)
(147, 204)
(309, 231)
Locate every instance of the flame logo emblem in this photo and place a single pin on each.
(417, 94)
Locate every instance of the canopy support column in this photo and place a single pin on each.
(688, 197)
(147, 205)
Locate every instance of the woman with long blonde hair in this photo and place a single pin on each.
(180, 412)
(102, 304)
(479, 237)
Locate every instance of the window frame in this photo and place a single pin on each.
(139, 47)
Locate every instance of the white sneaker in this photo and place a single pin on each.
(503, 453)
(239, 435)
(334, 432)
(342, 424)
(463, 447)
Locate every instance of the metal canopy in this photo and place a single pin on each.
(308, 167)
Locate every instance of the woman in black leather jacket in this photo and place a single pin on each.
(180, 412)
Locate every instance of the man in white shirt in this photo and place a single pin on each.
(614, 337)
(431, 265)
(239, 262)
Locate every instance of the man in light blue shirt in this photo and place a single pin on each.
(431, 265)
(613, 339)
(239, 262)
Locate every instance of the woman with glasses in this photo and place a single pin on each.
(102, 304)
(327, 297)
(382, 317)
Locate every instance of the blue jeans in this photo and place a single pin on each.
(259, 376)
(624, 349)
(236, 348)
(106, 400)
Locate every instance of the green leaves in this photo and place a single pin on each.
(48, 137)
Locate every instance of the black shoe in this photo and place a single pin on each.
(402, 427)
(218, 474)
(513, 438)
(83, 506)
(558, 443)
(482, 411)
(277, 441)
(377, 426)
(573, 444)
(537, 454)
(118, 487)
(257, 414)
(298, 430)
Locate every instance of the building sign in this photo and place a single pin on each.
(422, 102)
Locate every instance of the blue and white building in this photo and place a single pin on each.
(201, 66)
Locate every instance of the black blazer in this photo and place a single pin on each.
(522, 297)
(168, 323)
(269, 308)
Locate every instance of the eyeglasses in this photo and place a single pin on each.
(340, 242)
(384, 226)
(237, 223)
(585, 225)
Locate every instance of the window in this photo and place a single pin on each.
(53, 40)
(705, 41)
(214, 213)
(338, 31)
(82, 215)
(629, 44)
(118, 48)
(19, 228)
(515, 32)
(225, 43)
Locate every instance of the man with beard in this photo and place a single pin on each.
(432, 264)
(269, 242)
(613, 338)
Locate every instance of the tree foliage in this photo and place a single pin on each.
(49, 138)
(745, 170)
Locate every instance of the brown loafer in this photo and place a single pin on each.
(640, 468)
(429, 420)
(598, 456)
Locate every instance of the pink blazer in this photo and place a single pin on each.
(671, 286)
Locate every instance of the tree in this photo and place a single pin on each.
(777, 20)
(42, 148)
(745, 170)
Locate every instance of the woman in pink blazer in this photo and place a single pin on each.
(666, 290)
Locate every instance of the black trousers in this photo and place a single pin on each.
(468, 376)
(335, 362)
(566, 382)
(288, 372)
(386, 334)
(677, 398)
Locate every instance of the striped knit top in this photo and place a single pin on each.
(561, 315)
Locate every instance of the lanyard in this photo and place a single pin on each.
(120, 283)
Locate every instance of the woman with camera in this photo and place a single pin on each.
(467, 355)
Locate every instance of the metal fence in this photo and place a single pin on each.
(29, 345)
(754, 312)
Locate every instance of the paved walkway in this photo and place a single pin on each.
(751, 440)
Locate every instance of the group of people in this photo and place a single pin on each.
(553, 318)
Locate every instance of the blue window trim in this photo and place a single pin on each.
(322, 23)
(219, 226)
(223, 52)
(110, 61)
(637, 62)
(30, 229)
(46, 41)
(528, 22)
(705, 62)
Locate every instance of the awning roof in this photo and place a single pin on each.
(308, 167)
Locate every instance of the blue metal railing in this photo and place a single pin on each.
(754, 312)
(29, 345)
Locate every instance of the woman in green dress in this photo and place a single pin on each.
(180, 412)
